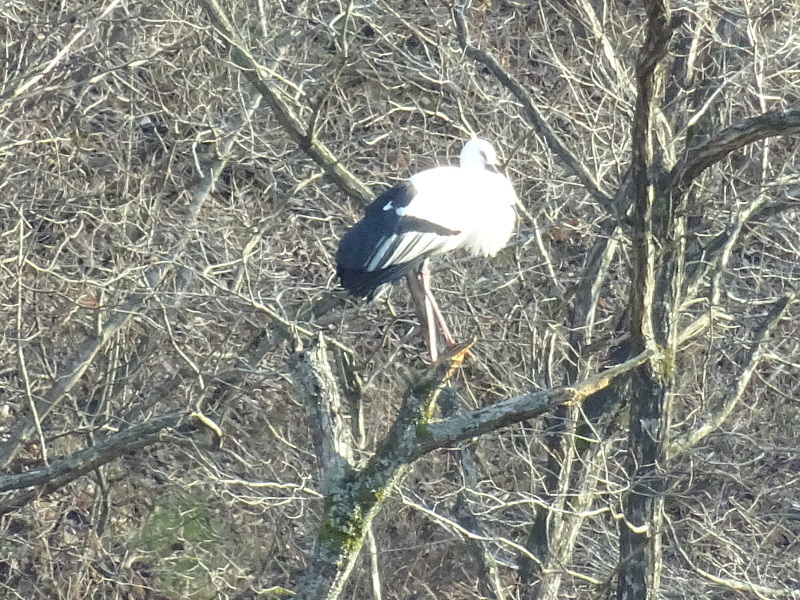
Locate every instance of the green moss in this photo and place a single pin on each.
(423, 433)
(367, 498)
(430, 409)
(330, 534)
(181, 542)
(276, 592)
(344, 533)
(666, 364)
(342, 537)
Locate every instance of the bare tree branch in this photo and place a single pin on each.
(554, 142)
(584, 303)
(513, 410)
(354, 500)
(692, 437)
(651, 324)
(302, 136)
(729, 140)
(68, 469)
(325, 410)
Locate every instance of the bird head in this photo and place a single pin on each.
(479, 154)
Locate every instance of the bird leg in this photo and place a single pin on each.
(430, 315)
(425, 312)
(425, 280)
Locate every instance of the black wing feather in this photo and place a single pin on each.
(359, 246)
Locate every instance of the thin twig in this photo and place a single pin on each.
(691, 438)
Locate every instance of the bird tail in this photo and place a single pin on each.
(365, 284)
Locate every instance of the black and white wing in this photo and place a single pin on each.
(391, 240)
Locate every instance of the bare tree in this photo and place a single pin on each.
(189, 409)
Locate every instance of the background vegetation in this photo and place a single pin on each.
(174, 180)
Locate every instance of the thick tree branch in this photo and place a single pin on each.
(729, 140)
(644, 192)
(658, 265)
(300, 134)
(513, 410)
(68, 469)
(554, 142)
(331, 436)
(354, 500)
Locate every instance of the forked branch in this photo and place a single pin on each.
(303, 136)
(354, 499)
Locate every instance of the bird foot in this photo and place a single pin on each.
(458, 352)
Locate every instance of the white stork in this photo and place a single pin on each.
(430, 213)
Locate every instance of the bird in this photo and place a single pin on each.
(436, 211)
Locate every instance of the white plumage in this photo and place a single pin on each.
(432, 212)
